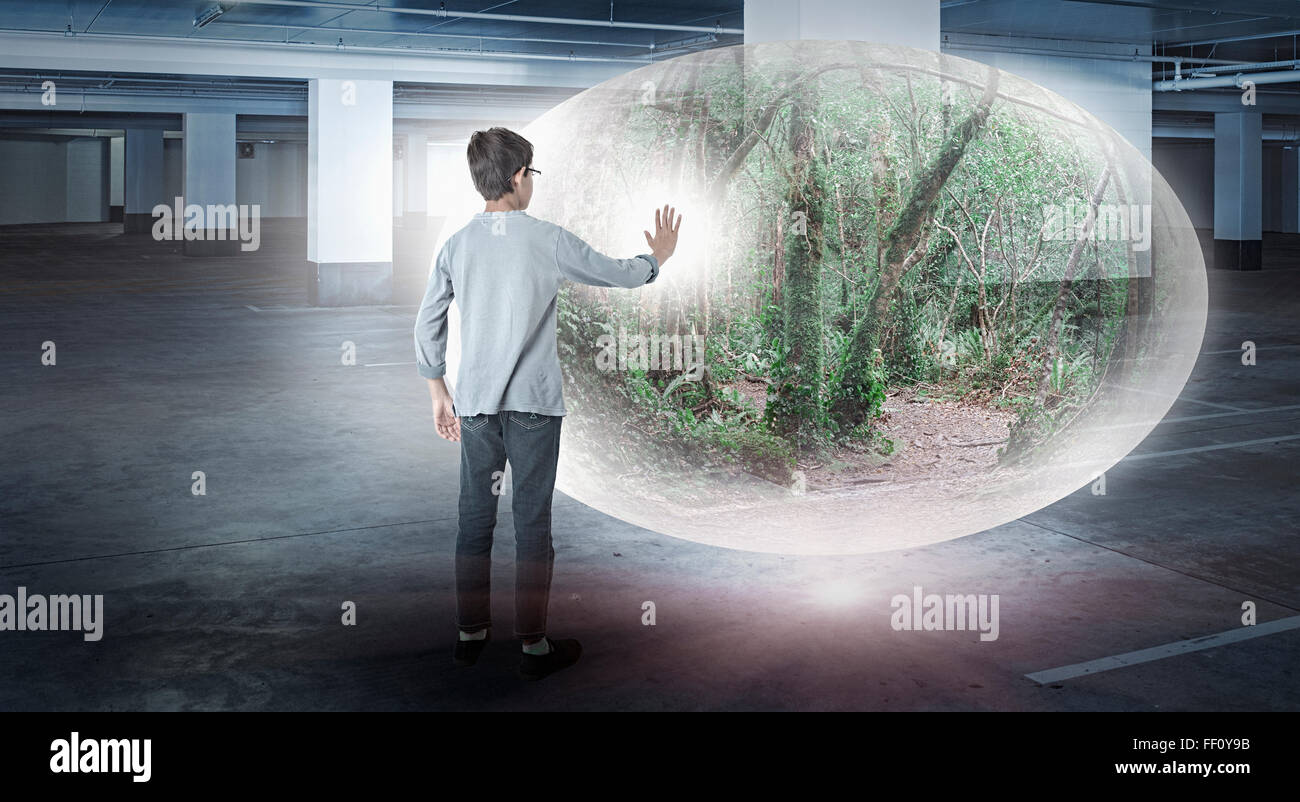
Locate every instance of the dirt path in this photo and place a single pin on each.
(933, 440)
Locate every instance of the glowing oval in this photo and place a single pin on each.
(671, 131)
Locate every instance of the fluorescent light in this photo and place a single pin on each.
(208, 15)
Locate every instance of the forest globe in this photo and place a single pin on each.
(914, 297)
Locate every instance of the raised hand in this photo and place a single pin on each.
(664, 241)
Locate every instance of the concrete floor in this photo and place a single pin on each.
(326, 483)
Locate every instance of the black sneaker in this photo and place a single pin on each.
(563, 654)
(467, 651)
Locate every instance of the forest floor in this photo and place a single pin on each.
(933, 439)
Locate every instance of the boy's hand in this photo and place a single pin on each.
(445, 419)
(664, 242)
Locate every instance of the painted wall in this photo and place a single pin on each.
(1189, 169)
(88, 180)
(1116, 92)
(1271, 178)
(173, 167)
(33, 181)
(49, 180)
(275, 178)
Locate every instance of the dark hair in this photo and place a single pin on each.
(495, 155)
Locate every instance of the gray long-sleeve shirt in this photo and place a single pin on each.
(504, 269)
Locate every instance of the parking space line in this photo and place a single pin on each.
(1160, 652)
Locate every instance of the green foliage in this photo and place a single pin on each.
(973, 314)
(763, 453)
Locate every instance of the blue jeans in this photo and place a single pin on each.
(531, 442)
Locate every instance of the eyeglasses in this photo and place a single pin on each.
(530, 170)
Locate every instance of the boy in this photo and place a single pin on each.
(504, 269)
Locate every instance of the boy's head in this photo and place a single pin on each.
(498, 161)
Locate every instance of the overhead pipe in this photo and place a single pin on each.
(424, 52)
(1248, 37)
(1220, 81)
(331, 29)
(1261, 65)
(480, 15)
(1177, 61)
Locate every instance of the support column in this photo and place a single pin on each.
(88, 179)
(210, 183)
(1238, 198)
(349, 192)
(142, 179)
(415, 206)
(914, 23)
(1291, 190)
(115, 191)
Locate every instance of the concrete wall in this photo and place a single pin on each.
(1271, 177)
(448, 176)
(275, 178)
(88, 180)
(45, 180)
(399, 187)
(49, 180)
(1189, 169)
(173, 168)
(1117, 92)
(33, 176)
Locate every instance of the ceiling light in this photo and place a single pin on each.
(208, 15)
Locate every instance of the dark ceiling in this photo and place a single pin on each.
(1192, 27)
(328, 23)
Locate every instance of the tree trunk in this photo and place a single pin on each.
(901, 238)
(800, 392)
(1067, 279)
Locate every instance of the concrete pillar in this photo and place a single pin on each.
(116, 162)
(914, 23)
(210, 182)
(142, 179)
(1291, 190)
(87, 180)
(1238, 198)
(349, 192)
(415, 206)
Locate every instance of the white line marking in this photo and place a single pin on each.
(1215, 447)
(1186, 418)
(1176, 397)
(1161, 652)
(1257, 348)
(250, 306)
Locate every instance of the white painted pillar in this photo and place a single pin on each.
(116, 162)
(209, 181)
(914, 23)
(1238, 194)
(349, 192)
(415, 207)
(142, 179)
